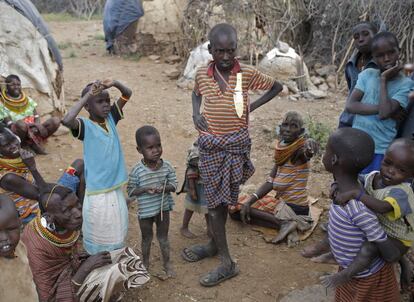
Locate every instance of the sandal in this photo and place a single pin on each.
(219, 275)
(195, 253)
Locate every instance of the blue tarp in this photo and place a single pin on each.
(118, 15)
(27, 9)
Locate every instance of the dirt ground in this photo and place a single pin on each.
(268, 272)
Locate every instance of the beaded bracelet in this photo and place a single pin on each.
(75, 283)
(124, 98)
(255, 195)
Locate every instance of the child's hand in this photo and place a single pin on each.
(193, 195)
(344, 197)
(200, 122)
(151, 190)
(28, 159)
(391, 73)
(107, 83)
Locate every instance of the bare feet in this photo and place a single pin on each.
(324, 258)
(186, 233)
(293, 239)
(335, 280)
(316, 249)
(169, 271)
(285, 229)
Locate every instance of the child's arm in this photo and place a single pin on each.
(354, 105)
(198, 119)
(171, 184)
(270, 94)
(14, 183)
(125, 91)
(69, 120)
(387, 106)
(192, 188)
(376, 205)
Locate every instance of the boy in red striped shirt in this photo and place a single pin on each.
(224, 141)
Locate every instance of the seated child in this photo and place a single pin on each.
(16, 281)
(348, 151)
(288, 179)
(104, 204)
(151, 182)
(194, 200)
(378, 96)
(19, 113)
(388, 194)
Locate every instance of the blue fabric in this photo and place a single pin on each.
(375, 165)
(117, 16)
(104, 160)
(351, 75)
(69, 181)
(381, 131)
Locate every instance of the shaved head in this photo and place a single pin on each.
(222, 29)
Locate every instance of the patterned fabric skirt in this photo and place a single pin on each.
(381, 286)
(105, 221)
(125, 272)
(224, 165)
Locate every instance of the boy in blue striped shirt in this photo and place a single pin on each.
(151, 183)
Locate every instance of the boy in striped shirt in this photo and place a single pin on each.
(348, 151)
(151, 182)
(224, 142)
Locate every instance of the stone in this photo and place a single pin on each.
(284, 92)
(331, 81)
(316, 80)
(172, 74)
(323, 87)
(154, 57)
(292, 98)
(316, 94)
(172, 59)
(326, 70)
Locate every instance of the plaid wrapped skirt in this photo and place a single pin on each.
(224, 165)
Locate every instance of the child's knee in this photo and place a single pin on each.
(78, 165)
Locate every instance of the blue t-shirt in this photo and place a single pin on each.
(102, 152)
(381, 131)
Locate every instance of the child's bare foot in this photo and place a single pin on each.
(169, 271)
(335, 280)
(324, 258)
(293, 239)
(316, 249)
(285, 230)
(186, 233)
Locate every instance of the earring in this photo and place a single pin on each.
(51, 227)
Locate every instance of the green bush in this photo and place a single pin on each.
(318, 131)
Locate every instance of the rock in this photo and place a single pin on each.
(172, 74)
(323, 87)
(266, 129)
(292, 98)
(313, 293)
(172, 59)
(284, 92)
(331, 81)
(326, 70)
(315, 94)
(154, 57)
(316, 80)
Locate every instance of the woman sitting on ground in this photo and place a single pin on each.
(19, 176)
(18, 112)
(288, 210)
(61, 270)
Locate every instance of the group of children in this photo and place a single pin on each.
(359, 240)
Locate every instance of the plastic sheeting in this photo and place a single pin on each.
(27, 9)
(118, 15)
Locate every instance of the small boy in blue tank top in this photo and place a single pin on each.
(151, 182)
(379, 95)
(105, 213)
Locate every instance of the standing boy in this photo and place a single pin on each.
(348, 151)
(105, 213)
(224, 141)
(362, 34)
